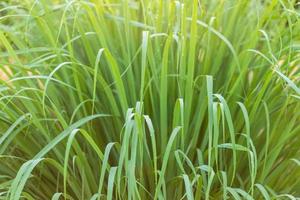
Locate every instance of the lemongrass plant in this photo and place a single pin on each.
(149, 99)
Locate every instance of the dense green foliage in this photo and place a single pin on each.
(149, 99)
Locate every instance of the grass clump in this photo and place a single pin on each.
(149, 99)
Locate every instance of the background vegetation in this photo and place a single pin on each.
(149, 99)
